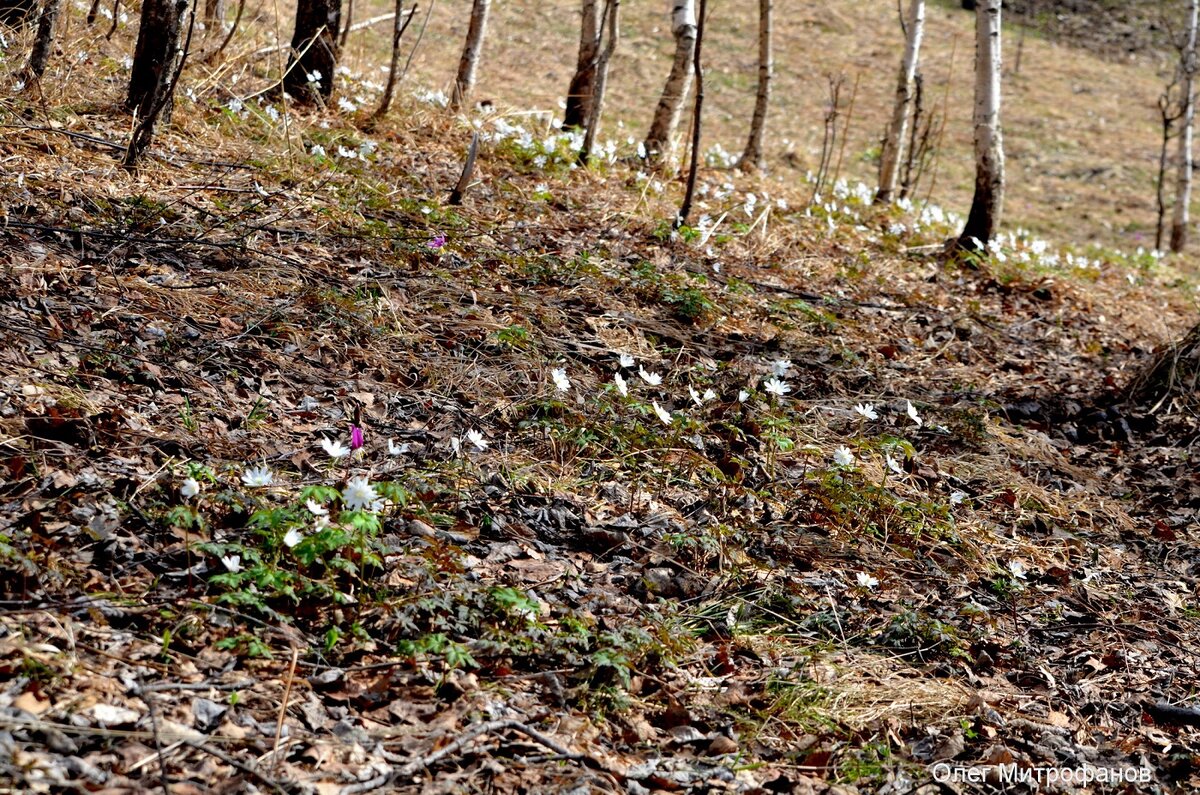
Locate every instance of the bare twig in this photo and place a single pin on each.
(244, 768)
(287, 693)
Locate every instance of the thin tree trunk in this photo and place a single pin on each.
(988, 202)
(158, 106)
(314, 51)
(346, 28)
(469, 64)
(694, 167)
(893, 142)
(1183, 183)
(1160, 184)
(612, 15)
(752, 156)
(44, 41)
(214, 17)
(659, 140)
(154, 58)
(93, 10)
(579, 93)
(237, 19)
(398, 29)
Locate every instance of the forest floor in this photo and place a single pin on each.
(783, 501)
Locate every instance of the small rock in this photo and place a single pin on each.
(722, 745)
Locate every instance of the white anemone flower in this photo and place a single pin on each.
(334, 448)
(560, 379)
(662, 413)
(843, 457)
(780, 367)
(911, 410)
(232, 563)
(626, 360)
(190, 488)
(894, 465)
(396, 449)
(1017, 569)
(360, 495)
(258, 476)
(695, 396)
(777, 387)
(477, 440)
(867, 410)
(316, 508)
(866, 581)
(653, 379)
(743, 395)
(622, 387)
(709, 395)
(292, 538)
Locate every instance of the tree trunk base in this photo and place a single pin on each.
(1172, 381)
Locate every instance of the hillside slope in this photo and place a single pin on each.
(780, 502)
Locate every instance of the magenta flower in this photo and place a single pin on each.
(437, 242)
(356, 437)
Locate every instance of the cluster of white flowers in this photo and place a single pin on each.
(718, 156)
(431, 97)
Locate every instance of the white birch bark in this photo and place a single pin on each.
(1183, 182)
(579, 93)
(659, 140)
(893, 142)
(469, 64)
(752, 156)
(988, 203)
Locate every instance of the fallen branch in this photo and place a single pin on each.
(464, 181)
(414, 766)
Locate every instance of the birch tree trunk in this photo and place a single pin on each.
(752, 157)
(314, 51)
(44, 40)
(988, 203)
(893, 142)
(612, 15)
(469, 64)
(1183, 182)
(679, 82)
(579, 93)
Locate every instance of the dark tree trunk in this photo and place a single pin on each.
(154, 56)
(314, 50)
(15, 12)
(214, 17)
(399, 24)
(579, 93)
(44, 41)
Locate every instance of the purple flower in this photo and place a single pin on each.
(437, 242)
(356, 437)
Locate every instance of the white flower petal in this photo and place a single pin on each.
(258, 476)
(653, 379)
(662, 413)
